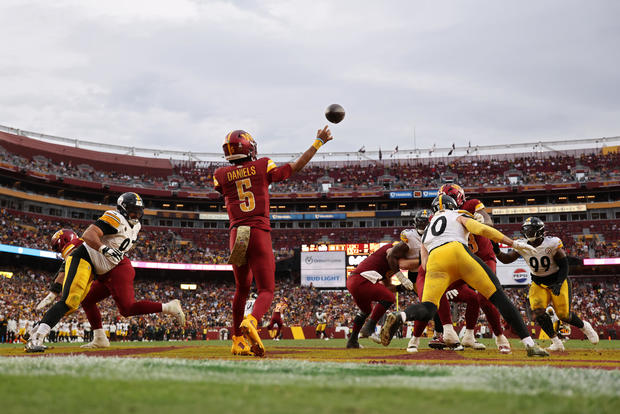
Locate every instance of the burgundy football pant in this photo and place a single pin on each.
(276, 319)
(365, 292)
(261, 266)
(118, 282)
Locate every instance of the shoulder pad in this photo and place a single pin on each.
(465, 213)
(112, 217)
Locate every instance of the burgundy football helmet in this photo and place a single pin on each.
(61, 239)
(238, 145)
(455, 191)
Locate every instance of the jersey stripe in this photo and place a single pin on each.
(110, 219)
(271, 165)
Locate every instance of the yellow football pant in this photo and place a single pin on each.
(76, 284)
(540, 296)
(454, 261)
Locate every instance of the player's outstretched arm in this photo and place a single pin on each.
(489, 232)
(322, 137)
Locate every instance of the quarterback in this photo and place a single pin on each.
(549, 269)
(245, 187)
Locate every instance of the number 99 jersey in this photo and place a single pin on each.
(542, 263)
(444, 228)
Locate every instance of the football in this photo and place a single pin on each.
(334, 113)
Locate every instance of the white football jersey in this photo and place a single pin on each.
(542, 263)
(124, 239)
(412, 238)
(444, 228)
(249, 307)
(321, 317)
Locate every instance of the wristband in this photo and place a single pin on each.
(318, 143)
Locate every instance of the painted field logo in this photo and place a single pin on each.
(519, 275)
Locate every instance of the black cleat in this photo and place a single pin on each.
(351, 343)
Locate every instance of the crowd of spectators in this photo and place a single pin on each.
(535, 168)
(209, 305)
(211, 245)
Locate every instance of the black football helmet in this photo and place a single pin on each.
(421, 220)
(129, 203)
(443, 202)
(533, 229)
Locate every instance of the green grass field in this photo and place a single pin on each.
(308, 376)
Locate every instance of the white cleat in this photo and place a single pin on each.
(100, 340)
(590, 332)
(450, 337)
(375, 338)
(556, 347)
(412, 346)
(97, 343)
(469, 341)
(174, 308)
(503, 345)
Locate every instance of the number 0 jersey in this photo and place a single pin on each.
(246, 190)
(444, 228)
(117, 233)
(542, 263)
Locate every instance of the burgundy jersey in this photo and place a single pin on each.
(478, 244)
(376, 261)
(246, 192)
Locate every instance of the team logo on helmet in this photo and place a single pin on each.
(239, 145)
(455, 191)
(533, 229)
(443, 202)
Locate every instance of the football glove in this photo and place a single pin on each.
(48, 300)
(114, 255)
(407, 284)
(522, 247)
(556, 288)
(451, 294)
(479, 218)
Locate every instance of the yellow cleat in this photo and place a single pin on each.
(240, 346)
(250, 334)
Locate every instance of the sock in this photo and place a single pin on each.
(448, 327)
(469, 332)
(575, 320)
(556, 340)
(403, 316)
(99, 333)
(42, 331)
(528, 341)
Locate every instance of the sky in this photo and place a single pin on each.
(181, 74)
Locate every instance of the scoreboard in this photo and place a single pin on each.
(328, 265)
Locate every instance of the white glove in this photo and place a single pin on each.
(407, 284)
(479, 218)
(48, 300)
(522, 247)
(114, 255)
(451, 294)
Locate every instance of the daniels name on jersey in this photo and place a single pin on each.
(117, 233)
(542, 263)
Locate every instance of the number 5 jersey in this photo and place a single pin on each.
(246, 190)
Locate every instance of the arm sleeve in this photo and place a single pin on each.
(484, 230)
(106, 228)
(563, 271)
